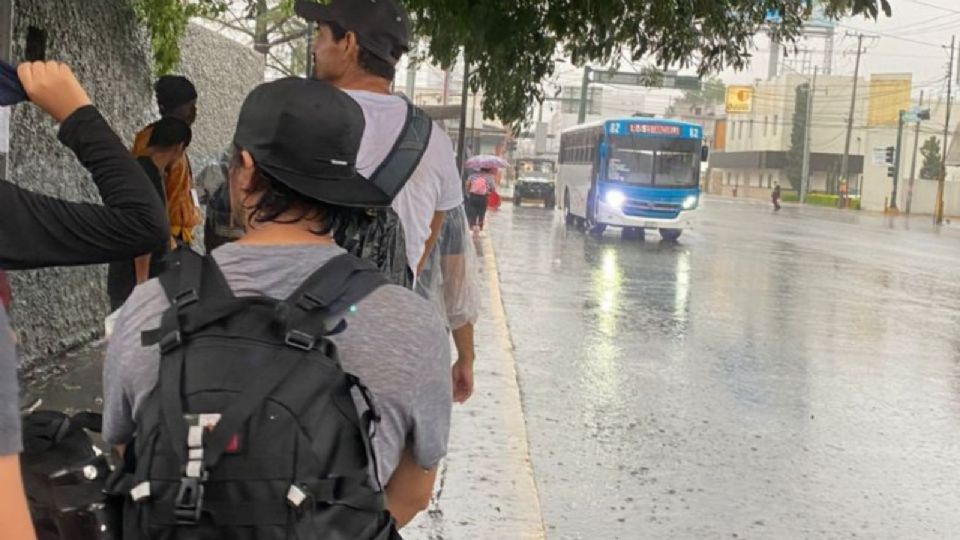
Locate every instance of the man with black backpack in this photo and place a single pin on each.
(357, 46)
(268, 390)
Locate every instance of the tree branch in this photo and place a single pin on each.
(282, 67)
(287, 39)
(235, 28)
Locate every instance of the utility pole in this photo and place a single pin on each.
(411, 74)
(896, 159)
(845, 162)
(7, 10)
(913, 163)
(584, 86)
(805, 171)
(462, 136)
(473, 126)
(938, 211)
(446, 87)
(773, 63)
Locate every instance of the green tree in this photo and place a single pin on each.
(798, 134)
(271, 28)
(931, 159)
(513, 45)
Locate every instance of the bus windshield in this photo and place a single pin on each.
(654, 162)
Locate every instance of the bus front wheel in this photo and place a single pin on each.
(670, 235)
(595, 229)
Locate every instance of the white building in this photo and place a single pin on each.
(758, 142)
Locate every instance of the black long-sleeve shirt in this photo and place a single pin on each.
(37, 230)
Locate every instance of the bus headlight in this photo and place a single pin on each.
(616, 198)
(690, 202)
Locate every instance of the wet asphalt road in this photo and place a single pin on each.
(770, 376)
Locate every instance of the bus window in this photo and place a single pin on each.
(677, 169)
(631, 166)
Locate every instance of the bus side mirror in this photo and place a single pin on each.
(704, 153)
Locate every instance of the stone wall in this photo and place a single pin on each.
(224, 72)
(57, 309)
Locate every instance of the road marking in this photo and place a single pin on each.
(515, 423)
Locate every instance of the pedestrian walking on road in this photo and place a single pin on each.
(775, 197)
(177, 98)
(479, 187)
(39, 231)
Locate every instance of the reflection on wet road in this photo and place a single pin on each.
(770, 376)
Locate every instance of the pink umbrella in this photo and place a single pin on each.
(486, 161)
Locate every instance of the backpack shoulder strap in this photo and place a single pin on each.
(331, 290)
(188, 277)
(407, 151)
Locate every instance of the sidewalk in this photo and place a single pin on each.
(486, 487)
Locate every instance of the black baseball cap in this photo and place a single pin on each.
(382, 26)
(306, 134)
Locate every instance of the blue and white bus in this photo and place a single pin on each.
(634, 173)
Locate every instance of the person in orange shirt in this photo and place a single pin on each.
(176, 97)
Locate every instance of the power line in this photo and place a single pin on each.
(892, 36)
(935, 6)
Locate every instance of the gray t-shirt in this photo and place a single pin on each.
(11, 441)
(394, 342)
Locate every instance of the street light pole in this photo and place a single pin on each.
(896, 159)
(584, 86)
(938, 211)
(913, 163)
(805, 172)
(845, 161)
(462, 136)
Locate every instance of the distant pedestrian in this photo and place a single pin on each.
(479, 187)
(775, 197)
(176, 97)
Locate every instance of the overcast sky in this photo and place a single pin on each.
(914, 39)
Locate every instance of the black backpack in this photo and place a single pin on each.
(64, 477)
(252, 431)
(377, 235)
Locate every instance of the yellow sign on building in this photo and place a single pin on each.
(739, 99)
(889, 94)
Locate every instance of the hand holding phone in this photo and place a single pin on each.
(53, 87)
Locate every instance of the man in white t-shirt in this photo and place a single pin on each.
(356, 48)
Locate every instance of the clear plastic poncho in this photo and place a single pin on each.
(450, 276)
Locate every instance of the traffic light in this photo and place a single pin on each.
(891, 172)
(889, 153)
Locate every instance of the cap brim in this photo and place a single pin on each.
(352, 191)
(315, 12)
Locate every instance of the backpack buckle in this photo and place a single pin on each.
(170, 342)
(300, 340)
(186, 298)
(188, 505)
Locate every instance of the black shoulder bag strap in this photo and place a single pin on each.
(407, 151)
